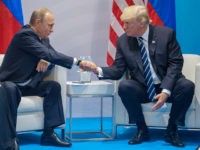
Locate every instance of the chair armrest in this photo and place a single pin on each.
(197, 83)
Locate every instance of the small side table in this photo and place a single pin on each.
(99, 89)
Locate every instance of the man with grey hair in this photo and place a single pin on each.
(153, 57)
(29, 58)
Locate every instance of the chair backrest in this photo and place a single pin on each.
(190, 61)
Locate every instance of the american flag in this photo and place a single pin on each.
(160, 12)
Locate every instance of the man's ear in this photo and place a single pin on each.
(37, 21)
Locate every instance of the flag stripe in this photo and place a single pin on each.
(165, 11)
(109, 59)
(117, 13)
(130, 2)
(117, 27)
(15, 8)
(154, 16)
(9, 24)
(113, 36)
(112, 49)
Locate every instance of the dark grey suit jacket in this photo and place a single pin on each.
(23, 54)
(165, 55)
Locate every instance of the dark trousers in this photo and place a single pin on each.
(133, 94)
(53, 108)
(9, 101)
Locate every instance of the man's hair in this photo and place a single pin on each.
(38, 14)
(137, 12)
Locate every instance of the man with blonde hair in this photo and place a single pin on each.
(153, 57)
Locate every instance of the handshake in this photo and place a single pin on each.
(88, 66)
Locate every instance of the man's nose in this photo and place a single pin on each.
(51, 30)
(124, 26)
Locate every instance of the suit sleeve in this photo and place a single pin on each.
(118, 67)
(31, 44)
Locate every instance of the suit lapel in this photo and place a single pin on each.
(152, 43)
(133, 43)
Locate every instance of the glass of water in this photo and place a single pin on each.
(85, 76)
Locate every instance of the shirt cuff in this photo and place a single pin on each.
(100, 71)
(75, 61)
(166, 91)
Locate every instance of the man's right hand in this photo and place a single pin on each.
(88, 66)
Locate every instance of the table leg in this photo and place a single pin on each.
(101, 117)
(70, 118)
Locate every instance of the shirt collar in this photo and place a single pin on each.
(145, 36)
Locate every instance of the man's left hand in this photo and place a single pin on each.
(42, 65)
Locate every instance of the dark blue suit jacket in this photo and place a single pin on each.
(23, 54)
(165, 55)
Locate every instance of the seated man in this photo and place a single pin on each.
(28, 60)
(9, 101)
(153, 57)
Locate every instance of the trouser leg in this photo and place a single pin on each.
(9, 101)
(53, 108)
(181, 99)
(132, 95)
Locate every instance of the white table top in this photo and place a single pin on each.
(90, 88)
(88, 83)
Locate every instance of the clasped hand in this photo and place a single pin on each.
(88, 66)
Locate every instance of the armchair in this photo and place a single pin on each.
(30, 111)
(159, 118)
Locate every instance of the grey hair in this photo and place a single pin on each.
(38, 14)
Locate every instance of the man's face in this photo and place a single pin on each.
(132, 28)
(45, 27)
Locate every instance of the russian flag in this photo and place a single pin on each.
(162, 12)
(11, 20)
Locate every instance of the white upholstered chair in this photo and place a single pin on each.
(30, 112)
(159, 118)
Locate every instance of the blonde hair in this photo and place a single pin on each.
(38, 14)
(137, 12)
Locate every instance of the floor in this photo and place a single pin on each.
(31, 140)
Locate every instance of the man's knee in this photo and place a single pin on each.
(55, 85)
(123, 87)
(130, 87)
(188, 87)
(9, 85)
(11, 88)
(185, 89)
(10, 94)
(12, 91)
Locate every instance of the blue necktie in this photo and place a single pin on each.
(147, 72)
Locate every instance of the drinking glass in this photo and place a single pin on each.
(85, 76)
